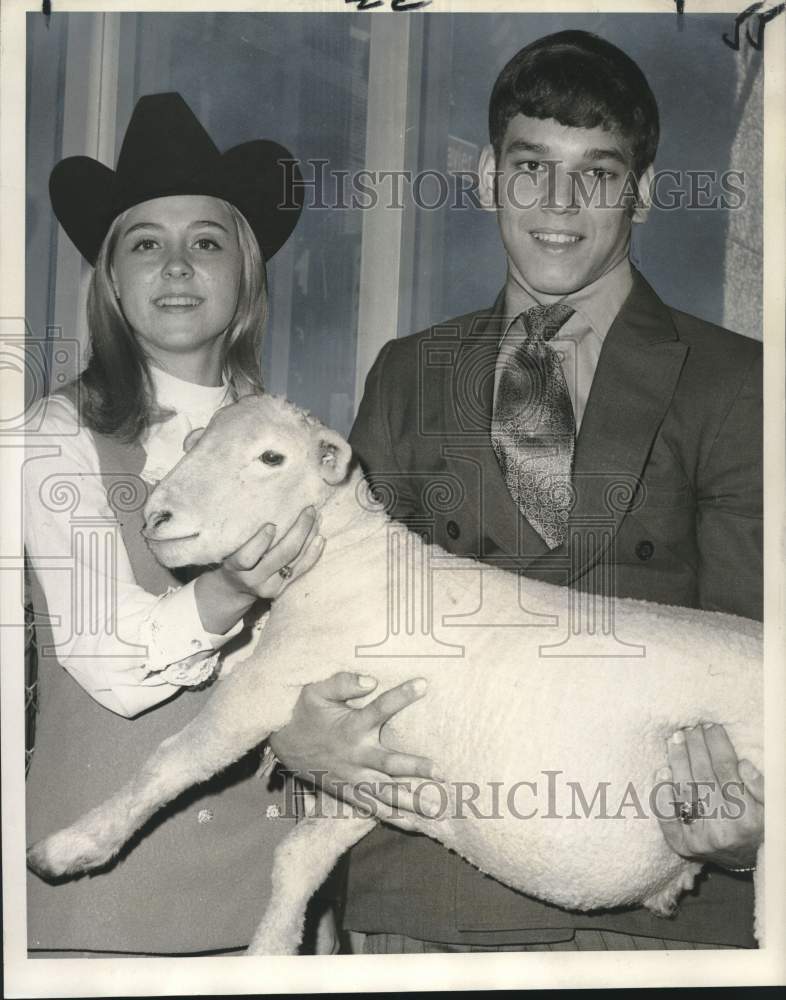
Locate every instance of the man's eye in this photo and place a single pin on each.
(206, 243)
(601, 172)
(530, 166)
(271, 458)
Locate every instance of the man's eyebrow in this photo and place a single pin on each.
(610, 153)
(524, 146)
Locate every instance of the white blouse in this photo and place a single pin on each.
(127, 648)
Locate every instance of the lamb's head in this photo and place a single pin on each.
(260, 460)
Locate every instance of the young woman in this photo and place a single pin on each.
(179, 235)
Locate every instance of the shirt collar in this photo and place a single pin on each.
(174, 393)
(597, 303)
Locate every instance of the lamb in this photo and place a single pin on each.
(501, 716)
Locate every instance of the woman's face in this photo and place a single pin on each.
(176, 271)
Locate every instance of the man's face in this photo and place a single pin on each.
(565, 199)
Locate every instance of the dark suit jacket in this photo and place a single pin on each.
(668, 484)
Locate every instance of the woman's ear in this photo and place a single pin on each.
(643, 204)
(487, 178)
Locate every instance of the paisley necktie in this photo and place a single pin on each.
(533, 430)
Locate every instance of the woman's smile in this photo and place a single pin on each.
(176, 303)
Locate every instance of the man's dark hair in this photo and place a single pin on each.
(580, 80)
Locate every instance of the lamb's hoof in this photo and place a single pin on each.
(65, 854)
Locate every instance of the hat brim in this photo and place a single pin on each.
(260, 178)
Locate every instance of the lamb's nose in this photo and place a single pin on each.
(156, 519)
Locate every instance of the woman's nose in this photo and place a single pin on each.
(178, 266)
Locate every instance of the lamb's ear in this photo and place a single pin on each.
(192, 437)
(334, 457)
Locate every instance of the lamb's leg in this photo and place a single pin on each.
(218, 736)
(302, 862)
(664, 902)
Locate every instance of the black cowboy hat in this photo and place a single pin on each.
(166, 151)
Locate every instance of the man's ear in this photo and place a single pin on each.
(334, 456)
(644, 201)
(487, 177)
(192, 437)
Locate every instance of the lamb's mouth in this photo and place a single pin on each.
(158, 540)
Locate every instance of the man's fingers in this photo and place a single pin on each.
(388, 704)
(679, 762)
(398, 765)
(722, 754)
(753, 779)
(342, 686)
(700, 760)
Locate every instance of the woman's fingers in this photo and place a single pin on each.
(288, 547)
(251, 551)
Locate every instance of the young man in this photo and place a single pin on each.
(654, 420)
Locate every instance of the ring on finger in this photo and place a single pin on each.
(689, 812)
(285, 572)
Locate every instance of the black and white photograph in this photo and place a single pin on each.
(394, 474)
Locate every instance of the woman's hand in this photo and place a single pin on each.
(224, 594)
(728, 797)
(329, 743)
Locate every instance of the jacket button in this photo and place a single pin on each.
(645, 550)
(453, 529)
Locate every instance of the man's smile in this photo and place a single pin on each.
(555, 240)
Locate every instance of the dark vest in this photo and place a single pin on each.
(197, 877)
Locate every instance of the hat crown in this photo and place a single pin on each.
(166, 151)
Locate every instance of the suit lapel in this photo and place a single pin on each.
(634, 382)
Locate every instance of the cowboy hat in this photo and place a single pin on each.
(166, 151)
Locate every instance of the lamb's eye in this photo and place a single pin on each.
(271, 458)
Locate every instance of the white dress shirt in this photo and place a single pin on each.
(580, 340)
(92, 634)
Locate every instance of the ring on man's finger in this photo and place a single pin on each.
(689, 812)
(285, 572)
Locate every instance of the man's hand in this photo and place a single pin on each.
(339, 747)
(729, 796)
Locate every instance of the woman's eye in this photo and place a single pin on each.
(271, 458)
(206, 243)
(145, 244)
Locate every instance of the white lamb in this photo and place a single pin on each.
(502, 709)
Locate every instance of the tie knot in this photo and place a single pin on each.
(543, 322)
